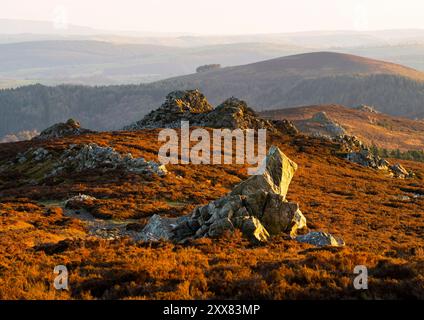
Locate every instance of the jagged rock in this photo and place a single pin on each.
(366, 158)
(256, 206)
(320, 239)
(178, 106)
(192, 106)
(329, 125)
(234, 114)
(285, 126)
(275, 179)
(399, 171)
(58, 130)
(93, 156)
(158, 228)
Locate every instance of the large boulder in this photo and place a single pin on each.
(257, 206)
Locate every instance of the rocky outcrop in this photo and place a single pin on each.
(59, 130)
(399, 171)
(285, 126)
(257, 206)
(359, 153)
(320, 239)
(78, 158)
(366, 158)
(192, 106)
(234, 114)
(178, 106)
(329, 125)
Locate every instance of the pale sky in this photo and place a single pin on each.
(223, 16)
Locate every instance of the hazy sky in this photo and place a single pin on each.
(222, 16)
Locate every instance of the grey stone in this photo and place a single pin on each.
(257, 207)
(320, 239)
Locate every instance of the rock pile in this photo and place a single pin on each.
(257, 206)
(92, 156)
(58, 130)
(358, 153)
(192, 106)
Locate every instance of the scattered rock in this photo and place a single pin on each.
(320, 239)
(256, 206)
(40, 154)
(92, 156)
(192, 106)
(58, 130)
(366, 158)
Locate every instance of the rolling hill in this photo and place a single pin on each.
(305, 79)
(106, 63)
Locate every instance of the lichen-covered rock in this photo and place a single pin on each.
(58, 130)
(256, 206)
(192, 106)
(329, 125)
(158, 228)
(92, 156)
(320, 239)
(276, 178)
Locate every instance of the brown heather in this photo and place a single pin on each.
(361, 205)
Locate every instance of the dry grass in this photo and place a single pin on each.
(363, 206)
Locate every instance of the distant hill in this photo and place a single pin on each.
(315, 78)
(305, 79)
(107, 63)
(373, 128)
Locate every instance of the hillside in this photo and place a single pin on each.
(379, 218)
(306, 79)
(373, 128)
